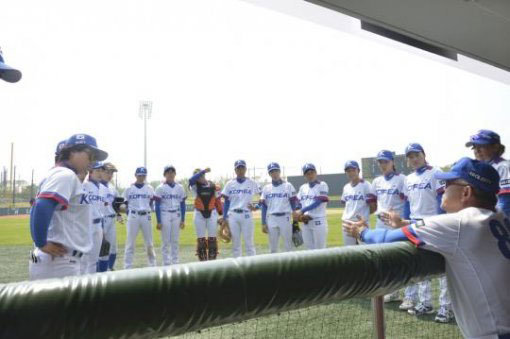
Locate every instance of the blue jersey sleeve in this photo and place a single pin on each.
(263, 207)
(193, 180)
(183, 210)
(315, 204)
(226, 207)
(407, 210)
(158, 211)
(40, 218)
(382, 235)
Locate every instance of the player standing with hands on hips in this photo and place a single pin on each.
(61, 216)
(487, 147)
(238, 194)
(278, 200)
(313, 198)
(138, 199)
(170, 209)
(207, 208)
(359, 198)
(473, 237)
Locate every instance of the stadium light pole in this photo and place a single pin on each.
(145, 113)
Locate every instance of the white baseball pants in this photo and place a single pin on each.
(279, 226)
(315, 233)
(89, 260)
(170, 230)
(205, 227)
(110, 233)
(44, 266)
(135, 222)
(241, 224)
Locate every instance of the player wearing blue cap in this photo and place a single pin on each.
(170, 199)
(208, 207)
(313, 198)
(139, 198)
(277, 201)
(96, 199)
(61, 216)
(423, 191)
(8, 73)
(474, 239)
(487, 147)
(238, 194)
(389, 188)
(358, 197)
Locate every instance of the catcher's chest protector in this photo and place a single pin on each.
(205, 201)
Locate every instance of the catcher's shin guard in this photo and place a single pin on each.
(212, 244)
(202, 249)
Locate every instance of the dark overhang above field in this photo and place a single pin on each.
(471, 34)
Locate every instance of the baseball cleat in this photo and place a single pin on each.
(406, 304)
(421, 309)
(444, 315)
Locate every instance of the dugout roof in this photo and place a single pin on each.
(469, 34)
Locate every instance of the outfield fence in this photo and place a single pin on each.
(302, 294)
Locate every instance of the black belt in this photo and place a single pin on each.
(140, 212)
(239, 210)
(111, 216)
(96, 221)
(279, 214)
(170, 211)
(76, 253)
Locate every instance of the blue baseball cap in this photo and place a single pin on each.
(308, 167)
(478, 174)
(60, 145)
(414, 148)
(7, 73)
(385, 155)
(97, 165)
(89, 142)
(351, 164)
(141, 171)
(273, 166)
(240, 163)
(484, 137)
(168, 168)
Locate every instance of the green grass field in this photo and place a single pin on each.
(347, 319)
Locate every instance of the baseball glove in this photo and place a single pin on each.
(297, 237)
(224, 231)
(305, 218)
(105, 248)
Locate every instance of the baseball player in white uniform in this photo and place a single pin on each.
(388, 188)
(138, 199)
(277, 201)
(208, 206)
(111, 214)
(358, 196)
(96, 197)
(487, 147)
(313, 198)
(60, 218)
(170, 208)
(423, 193)
(238, 195)
(474, 239)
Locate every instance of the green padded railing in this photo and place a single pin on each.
(171, 300)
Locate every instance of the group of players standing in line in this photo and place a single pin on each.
(73, 219)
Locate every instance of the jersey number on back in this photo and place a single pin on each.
(502, 234)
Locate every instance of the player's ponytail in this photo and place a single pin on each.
(501, 150)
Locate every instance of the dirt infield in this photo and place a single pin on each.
(19, 216)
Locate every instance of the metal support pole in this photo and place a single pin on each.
(378, 307)
(14, 188)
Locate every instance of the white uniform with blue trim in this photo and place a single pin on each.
(389, 190)
(356, 200)
(278, 216)
(422, 190)
(96, 198)
(69, 225)
(170, 198)
(475, 243)
(239, 217)
(139, 217)
(315, 233)
(503, 167)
